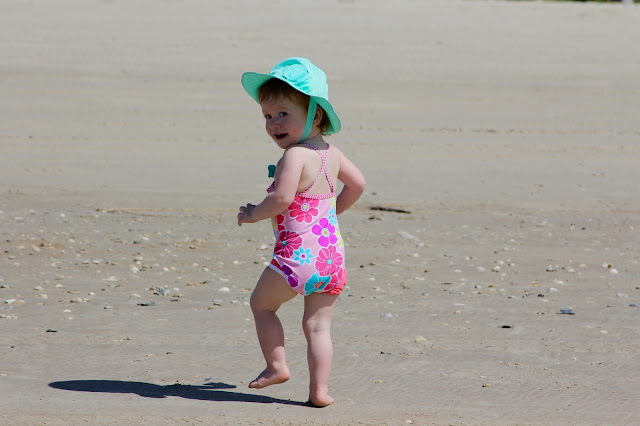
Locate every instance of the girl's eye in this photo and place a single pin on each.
(280, 114)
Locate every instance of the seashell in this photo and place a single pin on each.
(161, 291)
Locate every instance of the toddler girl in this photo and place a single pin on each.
(309, 256)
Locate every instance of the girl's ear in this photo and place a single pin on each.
(317, 118)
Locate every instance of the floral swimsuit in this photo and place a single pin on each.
(309, 250)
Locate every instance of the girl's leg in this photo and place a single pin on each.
(316, 323)
(270, 292)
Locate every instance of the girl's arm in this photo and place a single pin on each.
(287, 178)
(354, 184)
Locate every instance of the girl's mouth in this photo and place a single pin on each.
(280, 136)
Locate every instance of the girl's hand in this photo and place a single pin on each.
(245, 214)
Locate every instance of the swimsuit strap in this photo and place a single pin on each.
(323, 169)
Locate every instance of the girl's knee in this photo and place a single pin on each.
(253, 303)
(259, 304)
(312, 325)
(256, 304)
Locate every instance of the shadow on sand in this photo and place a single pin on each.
(205, 392)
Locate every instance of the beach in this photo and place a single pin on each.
(493, 260)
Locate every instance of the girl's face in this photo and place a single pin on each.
(284, 121)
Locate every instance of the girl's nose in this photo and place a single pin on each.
(275, 123)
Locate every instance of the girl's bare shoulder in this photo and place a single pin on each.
(298, 150)
(336, 155)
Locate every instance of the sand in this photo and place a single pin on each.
(508, 130)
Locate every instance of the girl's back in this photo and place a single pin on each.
(312, 166)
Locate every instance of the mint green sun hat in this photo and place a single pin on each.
(305, 77)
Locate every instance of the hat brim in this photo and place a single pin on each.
(252, 81)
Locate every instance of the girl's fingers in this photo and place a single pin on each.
(242, 214)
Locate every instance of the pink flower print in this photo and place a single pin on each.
(291, 279)
(304, 209)
(338, 280)
(339, 236)
(277, 224)
(303, 256)
(316, 283)
(329, 261)
(330, 286)
(339, 277)
(326, 231)
(287, 243)
(333, 218)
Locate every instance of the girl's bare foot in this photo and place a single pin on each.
(320, 400)
(268, 378)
